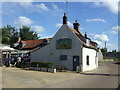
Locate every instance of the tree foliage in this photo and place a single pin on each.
(114, 50)
(10, 34)
(104, 49)
(27, 34)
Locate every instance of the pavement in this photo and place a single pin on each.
(105, 76)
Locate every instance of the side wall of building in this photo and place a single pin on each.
(92, 56)
(51, 54)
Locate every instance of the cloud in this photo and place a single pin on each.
(56, 8)
(34, 7)
(43, 7)
(17, 1)
(22, 20)
(46, 36)
(37, 28)
(70, 24)
(95, 20)
(60, 24)
(115, 29)
(99, 42)
(101, 37)
(112, 6)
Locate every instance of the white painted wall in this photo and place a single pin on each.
(93, 60)
(49, 52)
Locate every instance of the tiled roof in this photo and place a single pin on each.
(83, 39)
(31, 44)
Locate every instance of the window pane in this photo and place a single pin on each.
(63, 57)
(87, 60)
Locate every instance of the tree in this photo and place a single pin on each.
(104, 49)
(9, 34)
(27, 34)
(114, 50)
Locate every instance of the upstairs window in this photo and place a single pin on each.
(87, 60)
(87, 42)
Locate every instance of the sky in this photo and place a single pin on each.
(98, 19)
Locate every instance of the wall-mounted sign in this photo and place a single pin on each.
(65, 43)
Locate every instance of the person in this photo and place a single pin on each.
(19, 59)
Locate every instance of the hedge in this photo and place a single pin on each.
(42, 64)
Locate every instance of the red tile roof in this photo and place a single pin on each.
(31, 44)
(34, 43)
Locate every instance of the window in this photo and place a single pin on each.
(63, 57)
(64, 43)
(87, 59)
(87, 42)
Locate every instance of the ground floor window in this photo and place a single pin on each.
(63, 57)
(87, 60)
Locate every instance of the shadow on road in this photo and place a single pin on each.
(100, 74)
(118, 63)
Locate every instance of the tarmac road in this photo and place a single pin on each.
(105, 76)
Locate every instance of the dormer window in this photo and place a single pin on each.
(87, 39)
(87, 42)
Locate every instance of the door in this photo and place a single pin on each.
(75, 62)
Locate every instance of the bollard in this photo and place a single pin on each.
(78, 69)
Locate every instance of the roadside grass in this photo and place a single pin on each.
(110, 59)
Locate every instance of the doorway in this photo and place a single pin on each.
(75, 62)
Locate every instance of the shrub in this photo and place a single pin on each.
(42, 64)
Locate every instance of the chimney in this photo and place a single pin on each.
(19, 39)
(76, 25)
(65, 19)
(85, 35)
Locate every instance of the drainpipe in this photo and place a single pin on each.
(81, 65)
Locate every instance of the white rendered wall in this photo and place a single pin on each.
(93, 60)
(51, 54)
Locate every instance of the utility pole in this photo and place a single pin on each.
(105, 45)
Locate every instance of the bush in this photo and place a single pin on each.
(42, 64)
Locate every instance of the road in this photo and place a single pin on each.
(105, 76)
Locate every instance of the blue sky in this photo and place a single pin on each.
(98, 19)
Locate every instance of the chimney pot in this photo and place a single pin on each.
(76, 25)
(85, 35)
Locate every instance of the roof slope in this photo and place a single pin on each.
(31, 44)
(83, 39)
